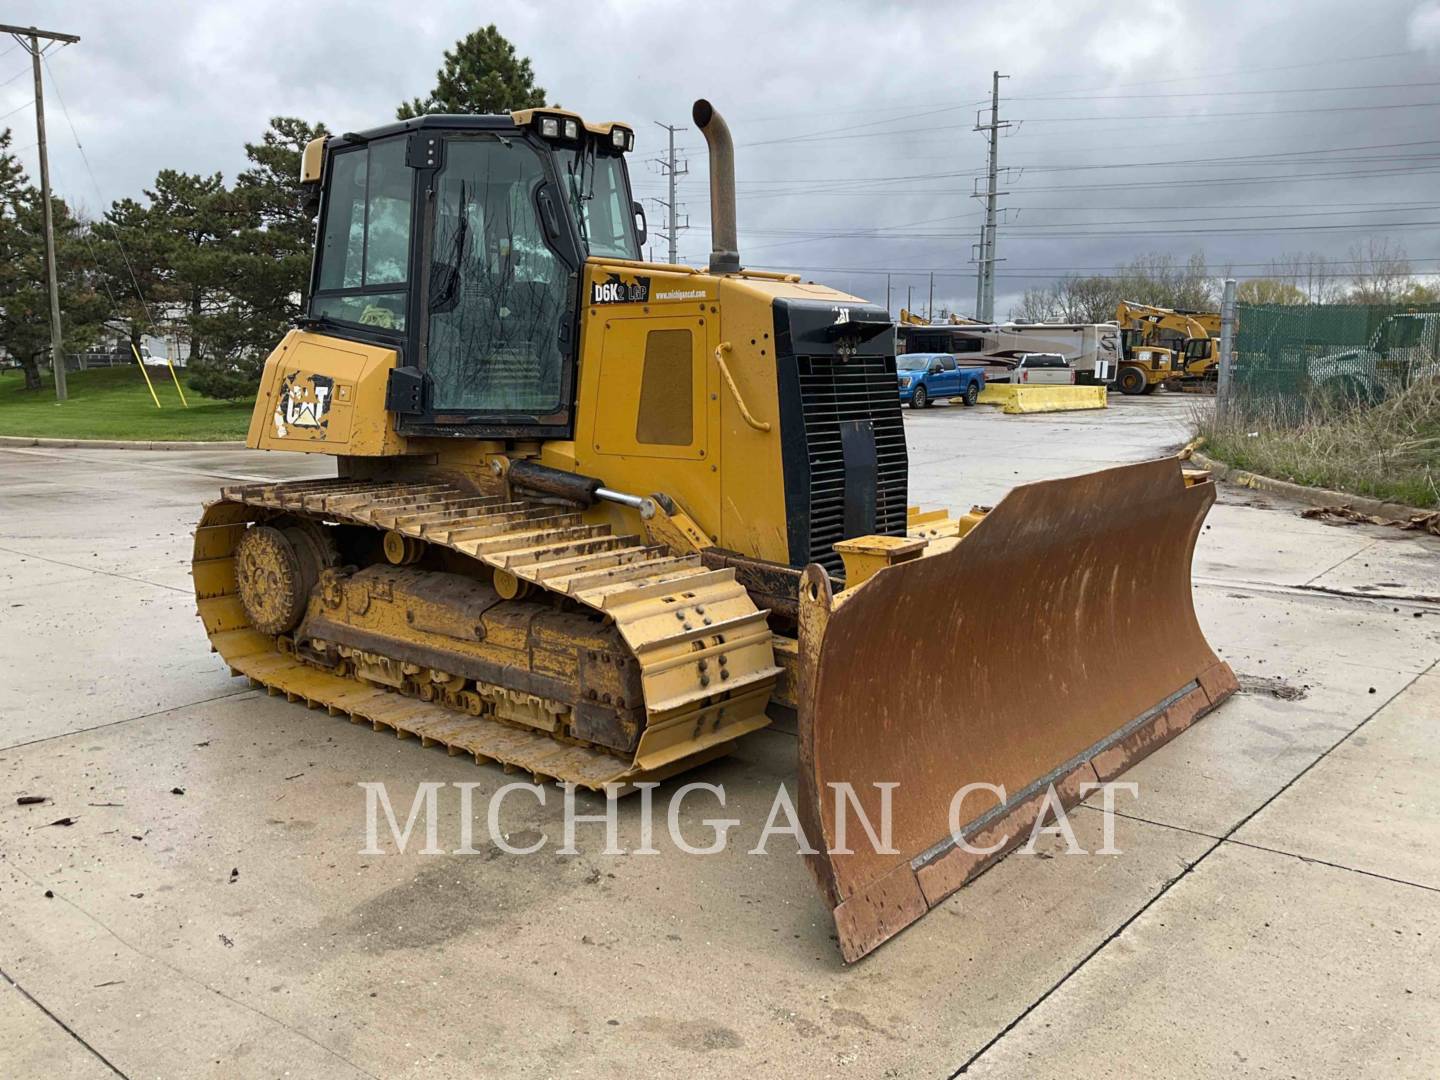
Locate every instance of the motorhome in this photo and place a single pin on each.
(1092, 349)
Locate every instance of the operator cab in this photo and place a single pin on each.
(459, 241)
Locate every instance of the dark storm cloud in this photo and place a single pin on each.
(853, 119)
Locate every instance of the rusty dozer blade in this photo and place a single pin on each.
(1056, 643)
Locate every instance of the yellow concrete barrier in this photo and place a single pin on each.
(1025, 398)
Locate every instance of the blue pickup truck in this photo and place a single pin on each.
(924, 377)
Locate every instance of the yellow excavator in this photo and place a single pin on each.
(595, 519)
(1165, 344)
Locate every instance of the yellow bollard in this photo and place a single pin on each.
(148, 383)
(178, 388)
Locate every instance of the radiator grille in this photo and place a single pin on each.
(833, 390)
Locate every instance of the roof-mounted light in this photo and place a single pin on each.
(550, 127)
(572, 129)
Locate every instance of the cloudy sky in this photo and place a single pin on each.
(1243, 130)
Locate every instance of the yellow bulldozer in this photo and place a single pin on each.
(595, 519)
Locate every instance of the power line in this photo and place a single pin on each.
(1248, 113)
(1225, 93)
(17, 108)
(114, 230)
(1208, 74)
(1047, 272)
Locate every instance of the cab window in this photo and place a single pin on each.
(365, 244)
(601, 199)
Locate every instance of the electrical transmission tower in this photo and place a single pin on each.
(673, 170)
(985, 255)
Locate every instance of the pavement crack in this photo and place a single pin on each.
(127, 719)
(1335, 865)
(62, 1024)
(1172, 882)
(299, 1033)
(92, 569)
(1262, 847)
(1341, 563)
(1409, 598)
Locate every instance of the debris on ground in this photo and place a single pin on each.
(1345, 514)
(49, 894)
(63, 821)
(31, 800)
(234, 875)
(1273, 685)
(177, 791)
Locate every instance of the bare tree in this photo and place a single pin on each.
(1317, 278)
(1271, 291)
(1379, 272)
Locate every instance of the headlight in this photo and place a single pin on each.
(549, 127)
(904, 380)
(617, 137)
(572, 129)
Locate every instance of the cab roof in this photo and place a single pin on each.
(478, 122)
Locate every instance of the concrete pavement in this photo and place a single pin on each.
(1274, 908)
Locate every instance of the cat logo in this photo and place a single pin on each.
(303, 405)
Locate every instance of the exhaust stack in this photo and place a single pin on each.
(725, 246)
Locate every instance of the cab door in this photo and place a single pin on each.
(949, 377)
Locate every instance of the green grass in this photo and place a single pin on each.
(1390, 451)
(113, 403)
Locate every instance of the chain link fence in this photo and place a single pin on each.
(1290, 361)
(1337, 396)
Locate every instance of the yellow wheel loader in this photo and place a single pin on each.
(595, 519)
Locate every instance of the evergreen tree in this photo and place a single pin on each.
(132, 254)
(481, 74)
(265, 263)
(24, 287)
(192, 217)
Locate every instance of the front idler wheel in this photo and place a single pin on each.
(277, 565)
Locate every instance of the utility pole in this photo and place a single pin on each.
(910, 299)
(29, 39)
(980, 273)
(887, 294)
(672, 170)
(930, 306)
(985, 305)
(1223, 387)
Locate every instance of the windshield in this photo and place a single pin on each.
(912, 363)
(601, 201)
(1400, 333)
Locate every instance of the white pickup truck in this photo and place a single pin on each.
(1404, 348)
(1043, 368)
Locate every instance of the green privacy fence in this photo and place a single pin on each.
(1290, 361)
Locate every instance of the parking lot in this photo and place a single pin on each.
(207, 912)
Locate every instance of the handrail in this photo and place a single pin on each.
(720, 351)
